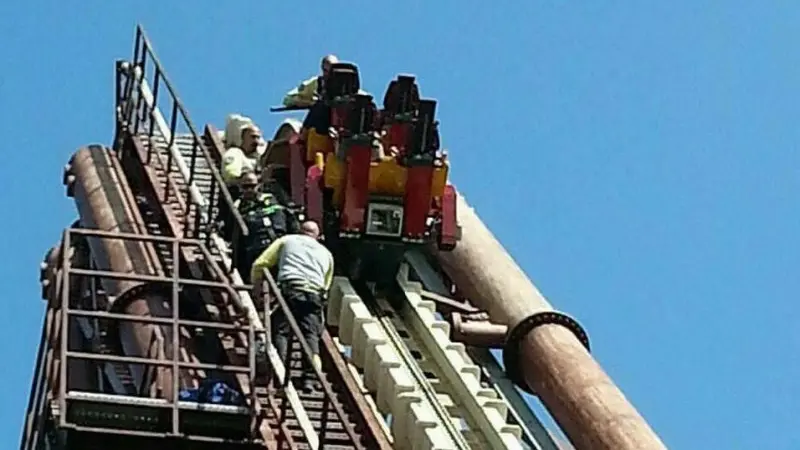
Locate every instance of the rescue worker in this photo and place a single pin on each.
(235, 161)
(305, 273)
(266, 220)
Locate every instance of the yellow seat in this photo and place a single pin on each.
(385, 178)
(317, 143)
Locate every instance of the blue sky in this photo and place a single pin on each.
(639, 161)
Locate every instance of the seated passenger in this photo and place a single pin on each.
(311, 89)
(308, 95)
(266, 220)
(363, 118)
(402, 96)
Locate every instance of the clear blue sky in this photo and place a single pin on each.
(640, 162)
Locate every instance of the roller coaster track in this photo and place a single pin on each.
(391, 375)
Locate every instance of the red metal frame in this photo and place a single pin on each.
(313, 189)
(397, 136)
(57, 343)
(356, 188)
(417, 201)
(297, 169)
(449, 229)
(339, 115)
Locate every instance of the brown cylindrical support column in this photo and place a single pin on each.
(552, 360)
(98, 189)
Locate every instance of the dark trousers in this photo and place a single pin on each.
(306, 307)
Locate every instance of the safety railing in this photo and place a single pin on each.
(37, 411)
(272, 301)
(140, 102)
(89, 406)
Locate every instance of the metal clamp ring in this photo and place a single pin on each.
(511, 350)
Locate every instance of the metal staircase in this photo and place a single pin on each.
(183, 177)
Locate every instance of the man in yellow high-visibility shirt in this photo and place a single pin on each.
(238, 160)
(305, 273)
(310, 90)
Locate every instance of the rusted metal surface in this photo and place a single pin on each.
(468, 324)
(134, 117)
(271, 292)
(152, 181)
(585, 402)
(35, 417)
(336, 370)
(168, 287)
(98, 195)
(216, 148)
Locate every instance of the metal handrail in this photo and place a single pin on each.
(134, 120)
(66, 311)
(270, 290)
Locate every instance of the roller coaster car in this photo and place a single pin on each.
(369, 204)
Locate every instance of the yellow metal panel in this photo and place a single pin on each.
(333, 176)
(387, 178)
(317, 143)
(439, 180)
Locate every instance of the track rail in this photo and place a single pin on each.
(533, 432)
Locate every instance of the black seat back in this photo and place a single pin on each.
(424, 140)
(402, 96)
(361, 114)
(343, 81)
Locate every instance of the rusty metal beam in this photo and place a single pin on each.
(272, 291)
(477, 333)
(135, 157)
(544, 347)
(156, 320)
(143, 278)
(97, 188)
(156, 362)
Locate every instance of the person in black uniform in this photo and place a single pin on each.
(266, 220)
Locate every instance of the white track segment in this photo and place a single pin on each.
(202, 202)
(487, 415)
(535, 434)
(415, 422)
